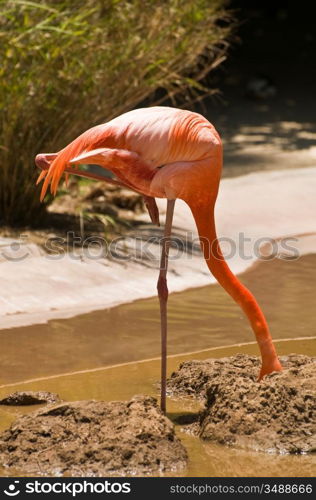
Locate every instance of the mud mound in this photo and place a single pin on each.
(277, 414)
(194, 377)
(94, 438)
(29, 398)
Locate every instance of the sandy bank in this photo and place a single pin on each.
(251, 209)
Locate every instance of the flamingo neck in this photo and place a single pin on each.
(204, 218)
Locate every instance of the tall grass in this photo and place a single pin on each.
(68, 65)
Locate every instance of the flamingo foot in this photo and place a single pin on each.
(270, 367)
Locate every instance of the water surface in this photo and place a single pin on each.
(198, 319)
(205, 459)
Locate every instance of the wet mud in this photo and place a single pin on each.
(206, 457)
(28, 398)
(94, 438)
(276, 415)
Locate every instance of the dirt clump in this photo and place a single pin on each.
(30, 398)
(94, 438)
(193, 377)
(276, 415)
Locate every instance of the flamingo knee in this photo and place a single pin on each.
(162, 288)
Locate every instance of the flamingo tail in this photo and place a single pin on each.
(204, 218)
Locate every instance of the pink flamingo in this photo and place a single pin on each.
(165, 153)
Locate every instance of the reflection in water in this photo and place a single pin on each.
(200, 318)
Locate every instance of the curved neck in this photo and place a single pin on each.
(204, 218)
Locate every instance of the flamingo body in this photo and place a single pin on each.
(166, 153)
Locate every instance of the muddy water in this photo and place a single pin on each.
(199, 319)
(122, 382)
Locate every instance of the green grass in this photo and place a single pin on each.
(68, 65)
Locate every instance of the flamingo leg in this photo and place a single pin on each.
(152, 208)
(163, 299)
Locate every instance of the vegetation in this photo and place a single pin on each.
(66, 66)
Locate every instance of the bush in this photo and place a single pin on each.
(66, 66)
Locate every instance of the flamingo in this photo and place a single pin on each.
(164, 152)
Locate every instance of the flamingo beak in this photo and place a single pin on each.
(41, 161)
